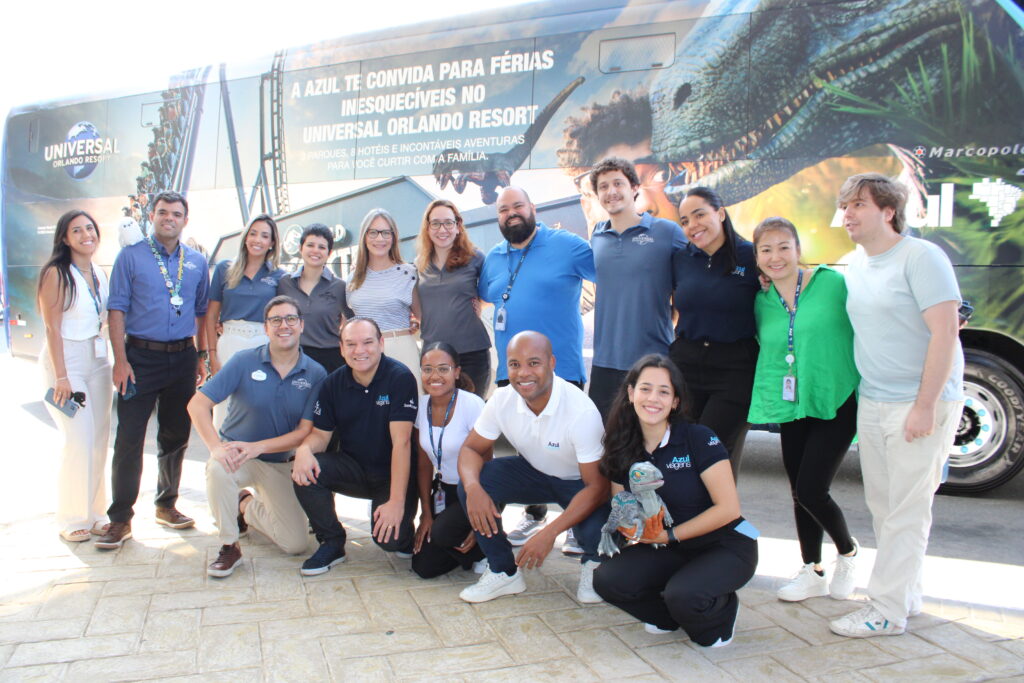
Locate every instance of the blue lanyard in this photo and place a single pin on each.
(792, 315)
(512, 275)
(96, 302)
(444, 423)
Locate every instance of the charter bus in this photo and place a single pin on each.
(771, 102)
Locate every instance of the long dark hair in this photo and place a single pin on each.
(60, 257)
(623, 438)
(713, 198)
(463, 382)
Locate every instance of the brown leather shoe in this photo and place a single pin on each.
(230, 557)
(174, 519)
(243, 526)
(116, 535)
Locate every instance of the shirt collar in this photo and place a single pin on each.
(503, 247)
(301, 365)
(644, 223)
(382, 368)
(556, 396)
(664, 439)
(325, 274)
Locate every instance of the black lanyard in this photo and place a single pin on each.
(444, 423)
(512, 275)
(792, 315)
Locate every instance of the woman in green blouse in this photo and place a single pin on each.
(806, 381)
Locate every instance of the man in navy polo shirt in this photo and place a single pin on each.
(157, 305)
(370, 405)
(633, 258)
(272, 390)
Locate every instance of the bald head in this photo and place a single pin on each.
(513, 193)
(530, 342)
(531, 367)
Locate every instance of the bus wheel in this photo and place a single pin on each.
(988, 449)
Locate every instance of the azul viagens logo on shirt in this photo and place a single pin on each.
(679, 462)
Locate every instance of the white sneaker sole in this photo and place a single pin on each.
(317, 571)
(510, 589)
(801, 598)
(223, 573)
(112, 546)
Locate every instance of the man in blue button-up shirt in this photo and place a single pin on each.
(158, 298)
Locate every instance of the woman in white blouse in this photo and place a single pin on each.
(383, 288)
(72, 297)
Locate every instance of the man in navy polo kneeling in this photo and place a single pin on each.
(370, 405)
(272, 391)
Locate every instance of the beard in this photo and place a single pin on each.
(519, 231)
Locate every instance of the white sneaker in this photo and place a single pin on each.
(493, 585)
(480, 566)
(654, 630)
(732, 634)
(842, 574)
(570, 546)
(865, 623)
(585, 592)
(806, 584)
(526, 528)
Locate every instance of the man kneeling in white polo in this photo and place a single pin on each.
(272, 390)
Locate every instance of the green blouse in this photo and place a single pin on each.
(822, 346)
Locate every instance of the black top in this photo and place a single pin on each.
(361, 416)
(714, 305)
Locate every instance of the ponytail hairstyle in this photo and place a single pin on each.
(463, 382)
(715, 200)
(60, 257)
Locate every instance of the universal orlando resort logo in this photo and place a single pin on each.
(82, 151)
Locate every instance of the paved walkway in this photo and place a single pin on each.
(148, 611)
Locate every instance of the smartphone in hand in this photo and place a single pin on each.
(70, 407)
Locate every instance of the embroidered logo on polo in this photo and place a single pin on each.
(740, 270)
(553, 444)
(713, 441)
(269, 281)
(191, 265)
(384, 400)
(411, 404)
(643, 239)
(316, 408)
(679, 462)
(302, 384)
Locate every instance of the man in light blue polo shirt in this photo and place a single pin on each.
(272, 389)
(633, 258)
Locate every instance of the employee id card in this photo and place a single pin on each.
(789, 388)
(99, 347)
(500, 319)
(438, 494)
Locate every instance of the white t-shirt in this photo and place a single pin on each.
(886, 296)
(467, 409)
(82, 321)
(567, 432)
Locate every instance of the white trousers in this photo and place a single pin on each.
(274, 510)
(81, 479)
(238, 335)
(900, 480)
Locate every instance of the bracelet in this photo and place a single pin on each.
(60, 378)
(672, 540)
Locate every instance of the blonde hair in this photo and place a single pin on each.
(462, 248)
(237, 269)
(886, 193)
(363, 252)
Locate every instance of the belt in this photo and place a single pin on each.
(391, 334)
(166, 347)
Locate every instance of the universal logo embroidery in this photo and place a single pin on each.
(679, 463)
(191, 265)
(269, 281)
(301, 383)
(643, 239)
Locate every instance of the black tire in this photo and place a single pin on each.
(988, 449)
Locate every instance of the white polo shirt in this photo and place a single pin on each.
(567, 432)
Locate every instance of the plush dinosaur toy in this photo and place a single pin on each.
(638, 513)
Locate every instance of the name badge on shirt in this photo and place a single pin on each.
(789, 388)
(438, 502)
(500, 319)
(99, 347)
(259, 375)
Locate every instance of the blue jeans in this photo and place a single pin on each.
(514, 480)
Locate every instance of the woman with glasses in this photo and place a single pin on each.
(72, 297)
(238, 293)
(322, 298)
(449, 266)
(383, 288)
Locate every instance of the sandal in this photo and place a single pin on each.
(100, 529)
(76, 536)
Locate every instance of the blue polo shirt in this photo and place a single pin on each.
(138, 289)
(633, 310)
(263, 404)
(545, 297)
(714, 305)
(361, 416)
(249, 297)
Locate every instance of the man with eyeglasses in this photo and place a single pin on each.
(272, 391)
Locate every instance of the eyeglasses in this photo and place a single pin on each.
(291, 320)
(437, 226)
(374, 234)
(439, 369)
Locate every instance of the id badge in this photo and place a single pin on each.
(438, 501)
(99, 347)
(789, 388)
(500, 319)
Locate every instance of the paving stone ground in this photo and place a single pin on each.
(149, 612)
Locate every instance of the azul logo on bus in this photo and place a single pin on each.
(82, 151)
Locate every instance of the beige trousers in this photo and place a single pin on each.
(405, 350)
(900, 480)
(273, 510)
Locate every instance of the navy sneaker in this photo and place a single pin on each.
(326, 556)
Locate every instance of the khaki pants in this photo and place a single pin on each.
(900, 480)
(274, 510)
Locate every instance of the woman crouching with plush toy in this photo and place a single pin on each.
(685, 576)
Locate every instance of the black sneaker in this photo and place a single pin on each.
(326, 556)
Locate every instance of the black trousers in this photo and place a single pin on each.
(690, 585)
(477, 364)
(329, 358)
(341, 473)
(438, 555)
(604, 385)
(166, 381)
(812, 451)
(720, 379)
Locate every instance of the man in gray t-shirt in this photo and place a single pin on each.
(902, 302)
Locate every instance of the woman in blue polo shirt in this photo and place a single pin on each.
(687, 575)
(715, 347)
(446, 414)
